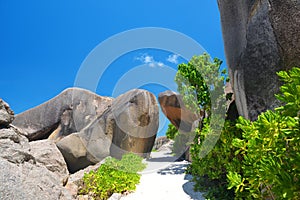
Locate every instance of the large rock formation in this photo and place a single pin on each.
(88, 146)
(24, 176)
(135, 117)
(70, 119)
(87, 127)
(129, 125)
(69, 112)
(261, 37)
(173, 107)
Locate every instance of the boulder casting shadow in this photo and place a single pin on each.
(87, 127)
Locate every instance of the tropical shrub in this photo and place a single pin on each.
(114, 176)
(199, 81)
(270, 148)
(251, 160)
(209, 172)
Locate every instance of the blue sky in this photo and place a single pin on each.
(44, 43)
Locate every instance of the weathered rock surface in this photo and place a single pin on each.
(47, 154)
(89, 146)
(14, 147)
(29, 181)
(159, 142)
(6, 114)
(22, 175)
(129, 125)
(87, 128)
(135, 123)
(173, 107)
(261, 38)
(69, 112)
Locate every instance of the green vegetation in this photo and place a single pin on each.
(181, 141)
(251, 160)
(197, 81)
(210, 171)
(202, 85)
(171, 132)
(256, 160)
(270, 148)
(114, 176)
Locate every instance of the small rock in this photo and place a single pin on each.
(77, 177)
(6, 114)
(115, 196)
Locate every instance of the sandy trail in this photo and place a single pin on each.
(164, 179)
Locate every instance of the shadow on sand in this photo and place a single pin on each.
(179, 168)
(176, 168)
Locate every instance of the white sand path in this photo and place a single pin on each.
(164, 179)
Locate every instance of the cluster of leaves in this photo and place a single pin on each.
(210, 171)
(270, 148)
(171, 132)
(114, 176)
(197, 79)
(201, 83)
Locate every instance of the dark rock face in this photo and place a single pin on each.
(69, 112)
(231, 109)
(173, 107)
(261, 38)
(135, 123)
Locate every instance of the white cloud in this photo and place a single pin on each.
(149, 60)
(173, 58)
(152, 64)
(160, 64)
